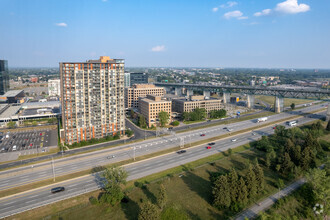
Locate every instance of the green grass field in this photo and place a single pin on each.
(287, 102)
(189, 193)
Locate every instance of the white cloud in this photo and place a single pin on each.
(235, 14)
(291, 7)
(243, 18)
(215, 9)
(159, 48)
(61, 24)
(228, 4)
(263, 12)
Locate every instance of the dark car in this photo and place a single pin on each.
(202, 135)
(57, 189)
(61, 152)
(212, 143)
(181, 151)
(225, 128)
(23, 145)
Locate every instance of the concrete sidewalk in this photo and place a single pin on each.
(253, 211)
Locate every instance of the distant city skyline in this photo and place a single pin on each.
(146, 33)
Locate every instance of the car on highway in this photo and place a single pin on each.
(110, 157)
(253, 133)
(181, 151)
(57, 189)
(274, 127)
(229, 129)
(212, 143)
(233, 140)
(208, 147)
(202, 135)
(208, 120)
(61, 152)
(225, 128)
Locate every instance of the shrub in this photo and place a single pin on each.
(175, 123)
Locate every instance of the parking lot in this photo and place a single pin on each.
(36, 140)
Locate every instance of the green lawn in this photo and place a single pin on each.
(287, 102)
(190, 193)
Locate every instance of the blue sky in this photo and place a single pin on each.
(167, 33)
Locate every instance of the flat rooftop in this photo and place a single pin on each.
(12, 93)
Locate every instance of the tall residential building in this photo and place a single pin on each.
(92, 98)
(4, 77)
(151, 106)
(138, 78)
(183, 105)
(54, 87)
(127, 80)
(137, 91)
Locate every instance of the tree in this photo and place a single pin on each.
(148, 211)
(142, 121)
(287, 164)
(328, 126)
(321, 188)
(230, 152)
(221, 193)
(162, 197)
(163, 118)
(114, 177)
(186, 116)
(293, 106)
(175, 123)
(242, 192)
(251, 182)
(132, 113)
(260, 178)
(234, 184)
(11, 124)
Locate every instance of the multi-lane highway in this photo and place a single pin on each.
(31, 174)
(35, 198)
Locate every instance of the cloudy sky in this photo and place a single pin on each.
(164, 33)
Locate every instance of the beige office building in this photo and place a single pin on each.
(151, 106)
(183, 105)
(92, 99)
(137, 91)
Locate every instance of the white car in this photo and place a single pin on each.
(229, 129)
(233, 140)
(14, 148)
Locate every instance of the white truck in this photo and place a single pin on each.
(262, 119)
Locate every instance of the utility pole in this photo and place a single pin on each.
(53, 168)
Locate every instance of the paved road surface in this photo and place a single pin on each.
(39, 197)
(28, 174)
(253, 211)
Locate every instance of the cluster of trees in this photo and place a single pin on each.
(129, 132)
(197, 115)
(142, 121)
(218, 113)
(233, 191)
(113, 180)
(95, 141)
(164, 117)
(150, 211)
(291, 151)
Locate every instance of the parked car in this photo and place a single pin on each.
(14, 148)
(181, 151)
(57, 189)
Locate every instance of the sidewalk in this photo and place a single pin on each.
(253, 211)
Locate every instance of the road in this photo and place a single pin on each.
(39, 197)
(67, 165)
(253, 211)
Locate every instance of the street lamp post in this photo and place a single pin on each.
(53, 168)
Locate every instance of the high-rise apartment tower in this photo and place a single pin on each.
(4, 77)
(92, 99)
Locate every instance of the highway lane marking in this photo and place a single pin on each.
(193, 147)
